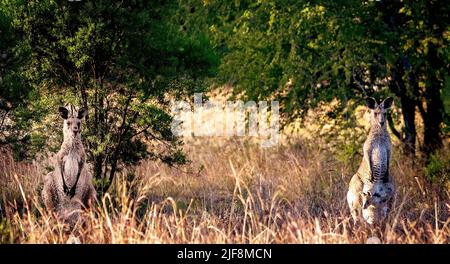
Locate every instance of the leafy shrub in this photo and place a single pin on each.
(437, 169)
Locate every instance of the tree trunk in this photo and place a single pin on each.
(433, 119)
(408, 106)
(433, 115)
(98, 164)
(409, 115)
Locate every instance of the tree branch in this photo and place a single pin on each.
(122, 131)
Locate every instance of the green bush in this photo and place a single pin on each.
(438, 168)
(119, 59)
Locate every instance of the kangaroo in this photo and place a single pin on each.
(371, 189)
(69, 187)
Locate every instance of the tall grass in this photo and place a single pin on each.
(232, 192)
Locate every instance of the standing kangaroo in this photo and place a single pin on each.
(69, 186)
(371, 190)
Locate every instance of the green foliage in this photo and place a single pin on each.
(124, 60)
(417, 32)
(121, 60)
(303, 53)
(438, 168)
(316, 47)
(15, 92)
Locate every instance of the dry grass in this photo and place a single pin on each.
(233, 192)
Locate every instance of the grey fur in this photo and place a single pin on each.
(371, 189)
(71, 160)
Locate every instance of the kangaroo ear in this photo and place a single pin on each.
(82, 112)
(371, 102)
(63, 112)
(387, 103)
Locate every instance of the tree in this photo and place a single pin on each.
(121, 60)
(335, 49)
(14, 91)
(417, 34)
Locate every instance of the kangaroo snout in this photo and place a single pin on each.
(75, 129)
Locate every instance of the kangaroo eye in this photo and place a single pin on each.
(68, 123)
(78, 123)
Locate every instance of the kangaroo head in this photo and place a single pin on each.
(72, 120)
(375, 200)
(378, 111)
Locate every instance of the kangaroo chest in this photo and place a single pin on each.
(378, 150)
(71, 166)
